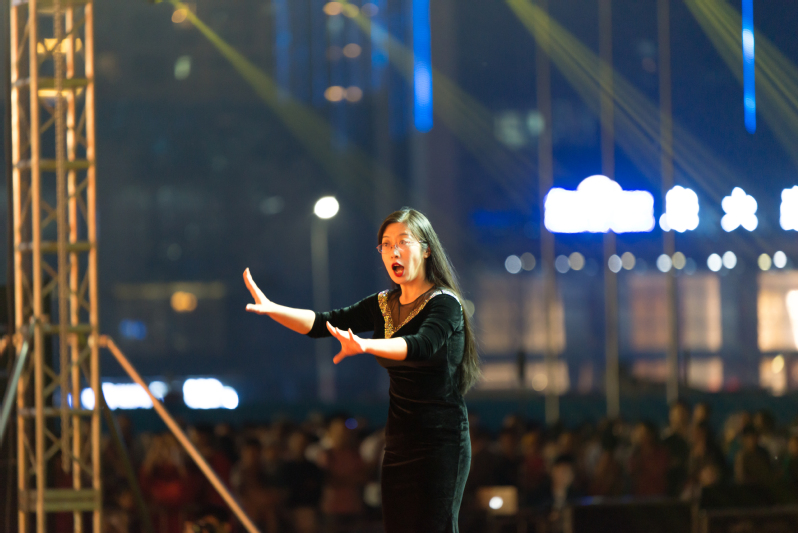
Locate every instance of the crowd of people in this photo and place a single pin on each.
(322, 475)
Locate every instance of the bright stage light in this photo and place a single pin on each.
(740, 209)
(422, 66)
(614, 264)
(628, 260)
(679, 260)
(326, 207)
(780, 259)
(664, 263)
(729, 260)
(209, 393)
(714, 263)
(513, 264)
(576, 261)
(681, 210)
(598, 205)
(118, 396)
(562, 264)
(495, 503)
(789, 209)
(528, 261)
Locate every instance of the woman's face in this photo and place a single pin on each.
(405, 262)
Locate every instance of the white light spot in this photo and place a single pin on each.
(748, 45)
(764, 262)
(576, 261)
(789, 209)
(598, 205)
(561, 264)
(208, 393)
(326, 207)
(679, 260)
(87, 398)
(513, 264)
(729, 260)
(182, 67)
(159, 389)
(628, 260)
(528, 261)
(681, 210)
(714, 262)
(664, 263)
(496, 503)
(740, 209)
(614, 264)
(780, 259)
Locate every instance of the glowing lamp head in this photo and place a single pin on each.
(496, 503)
(326, 207)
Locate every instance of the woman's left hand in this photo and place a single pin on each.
(351, 344)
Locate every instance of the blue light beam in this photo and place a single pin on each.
(422, 67)
(749, 84)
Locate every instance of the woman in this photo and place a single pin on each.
(424, 339)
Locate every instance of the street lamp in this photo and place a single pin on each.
(325, 209)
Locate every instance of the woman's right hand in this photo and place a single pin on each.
(262, 304)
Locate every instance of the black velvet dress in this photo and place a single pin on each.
(427, 448)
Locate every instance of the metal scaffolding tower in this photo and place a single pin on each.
(55, 259)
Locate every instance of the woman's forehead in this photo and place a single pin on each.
(397, 229)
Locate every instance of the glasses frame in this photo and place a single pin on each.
(397, 246)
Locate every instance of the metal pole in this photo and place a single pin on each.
(321, 302)
(545, 181)
(608, 169)
(668, 237)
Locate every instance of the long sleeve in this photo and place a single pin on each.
(359, 317)
(444, 316)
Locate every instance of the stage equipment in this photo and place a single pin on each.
(55, 255)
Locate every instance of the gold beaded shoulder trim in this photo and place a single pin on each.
(382, 298)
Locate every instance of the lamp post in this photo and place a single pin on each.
(325, 209)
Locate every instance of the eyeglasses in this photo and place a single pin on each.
(402, 245)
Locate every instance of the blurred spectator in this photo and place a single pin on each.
(607, 478)
(649, 464)
(752, 463)
(701, 414)
(677, 442)
(203, 438)
(210, 520)
(775, 444)
(166, 483)
(248, 481)
(790, 465)
(561, 490)
(509, 460)
(345, 477)
(532, 474)
(303, 485)
(225, 441)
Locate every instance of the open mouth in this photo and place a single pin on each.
(398, 270)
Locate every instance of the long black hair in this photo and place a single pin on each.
(439, 271)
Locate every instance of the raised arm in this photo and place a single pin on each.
(299, 320)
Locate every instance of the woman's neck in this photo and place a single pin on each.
(413, 289)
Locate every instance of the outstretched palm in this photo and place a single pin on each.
(262, 304)
(351, 344)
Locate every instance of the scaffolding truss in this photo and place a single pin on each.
(55, 260)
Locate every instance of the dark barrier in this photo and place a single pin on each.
(783, 519)
(656, 516)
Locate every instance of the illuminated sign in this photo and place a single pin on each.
(740, 209)
(789, 209)
(681, 210)
(599, 205)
